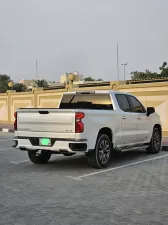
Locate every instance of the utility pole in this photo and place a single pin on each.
(118, 64)
(36, 71)
(124, 64)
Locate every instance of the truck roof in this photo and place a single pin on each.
(95, 91)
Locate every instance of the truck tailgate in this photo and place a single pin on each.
(46, 120)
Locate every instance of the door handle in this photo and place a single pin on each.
(139, 118)
(124, 118)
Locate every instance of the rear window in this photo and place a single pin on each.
(86, 101)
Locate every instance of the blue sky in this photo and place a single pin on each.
(69, 35)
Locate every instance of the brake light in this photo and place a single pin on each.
(79, 126)
(15, 122)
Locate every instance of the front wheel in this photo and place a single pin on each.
(101, 156)
(39, 157)
(155, 143)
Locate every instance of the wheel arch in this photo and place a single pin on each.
(107, 131)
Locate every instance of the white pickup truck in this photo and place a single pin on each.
(94, 122)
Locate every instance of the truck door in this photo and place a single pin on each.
(128, 121)
(143, 125)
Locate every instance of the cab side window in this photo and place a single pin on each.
(123, 102)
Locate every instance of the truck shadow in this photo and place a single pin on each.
(77, 165)
(80, 161)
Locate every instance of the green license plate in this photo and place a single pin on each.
(45, 142)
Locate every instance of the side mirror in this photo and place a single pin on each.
(150, 110)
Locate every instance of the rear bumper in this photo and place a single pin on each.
(58, 145)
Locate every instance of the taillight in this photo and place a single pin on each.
(15, 122)
(79, 126)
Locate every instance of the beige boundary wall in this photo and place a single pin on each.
(151, 94)
(154, 94)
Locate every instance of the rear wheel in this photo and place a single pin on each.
(155, 143)
(41, 157)
(101, 156)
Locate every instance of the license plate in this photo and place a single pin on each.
(45, 142)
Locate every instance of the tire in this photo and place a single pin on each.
(155, 143)
(100, 157)
(41, 158)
